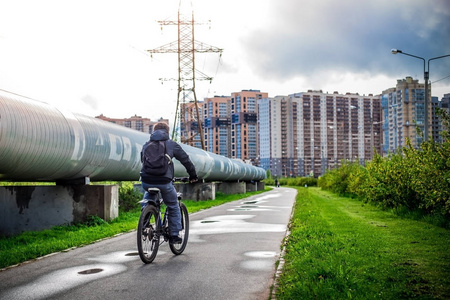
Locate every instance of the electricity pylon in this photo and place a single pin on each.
(186, 47)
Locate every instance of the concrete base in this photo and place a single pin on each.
(197, 191)
(28, 208)
(255, 186)
(192, 191)
(230, 188)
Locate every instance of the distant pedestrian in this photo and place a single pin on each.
(277, 184)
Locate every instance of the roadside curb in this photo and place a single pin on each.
(281, 261)
(279, 269)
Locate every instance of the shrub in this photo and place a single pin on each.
(298, 181)
(128, 196)
(415, 179)
(339, 180)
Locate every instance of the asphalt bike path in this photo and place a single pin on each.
(231, 254)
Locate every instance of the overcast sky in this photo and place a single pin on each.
(89, 56)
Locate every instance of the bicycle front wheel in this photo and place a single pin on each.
(148, 234)
(184, 233)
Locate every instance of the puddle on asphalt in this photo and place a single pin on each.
(258, 265)
(275, 195)
(90, 271)
(230, 224)
(250, 206)
(116, 257)
(242, 208)
(261, 254)
(61, 280)
(261, 260)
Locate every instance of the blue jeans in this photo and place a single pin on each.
(169, 195)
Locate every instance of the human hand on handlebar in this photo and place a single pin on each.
(193, 179)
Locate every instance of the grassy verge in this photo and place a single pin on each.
(33, 244)
(340, 248)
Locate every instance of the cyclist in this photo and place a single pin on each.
(165, 182)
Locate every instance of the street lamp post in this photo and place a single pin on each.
(426, 76)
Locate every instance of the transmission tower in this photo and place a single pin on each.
(186, 46)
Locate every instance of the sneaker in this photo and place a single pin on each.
(175, 239)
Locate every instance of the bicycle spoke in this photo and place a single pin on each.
(147, 238)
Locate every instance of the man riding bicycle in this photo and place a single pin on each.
(165, 182)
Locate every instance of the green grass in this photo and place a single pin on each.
(340, 248)
(34, 244)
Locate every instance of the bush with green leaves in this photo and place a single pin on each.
(290, 181)
(339, 180)
(418, 179)
(128, 196)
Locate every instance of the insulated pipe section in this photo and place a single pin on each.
(41, 143)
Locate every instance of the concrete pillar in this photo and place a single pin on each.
(254, 186)
(197, 191)
(193, 191)
(232, 187)
(27, 208)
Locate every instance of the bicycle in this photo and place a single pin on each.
(151, 227)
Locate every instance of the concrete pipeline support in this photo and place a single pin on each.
(39, 142)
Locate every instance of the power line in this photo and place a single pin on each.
(441, 79)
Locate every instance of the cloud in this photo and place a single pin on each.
(311, 39)
(90, 102)
(89, 56)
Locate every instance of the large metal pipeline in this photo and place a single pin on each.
(39, 142)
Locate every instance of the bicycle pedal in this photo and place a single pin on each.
(175, 240)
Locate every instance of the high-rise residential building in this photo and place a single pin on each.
(438, 127)
(277, 128)
(306, 133)
(403, 113)
(189, 123)
(217, 129)
(135, 122)
(445, 103)
(244, 131)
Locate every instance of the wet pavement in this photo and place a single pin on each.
(231, 254)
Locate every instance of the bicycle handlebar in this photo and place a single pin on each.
(185, 179)
(182, 179)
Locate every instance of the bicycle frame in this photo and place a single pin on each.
(157, 200)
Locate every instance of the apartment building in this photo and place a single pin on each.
(304, 134)
(403, 111)
(277, 128)
(217, 121)
(244, 131)
(135, 122)
(437, 126)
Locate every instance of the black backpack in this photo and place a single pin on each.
(156, 161)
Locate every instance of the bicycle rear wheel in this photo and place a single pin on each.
(184, 233)
(148, 233)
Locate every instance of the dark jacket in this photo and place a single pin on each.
(174, 150)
